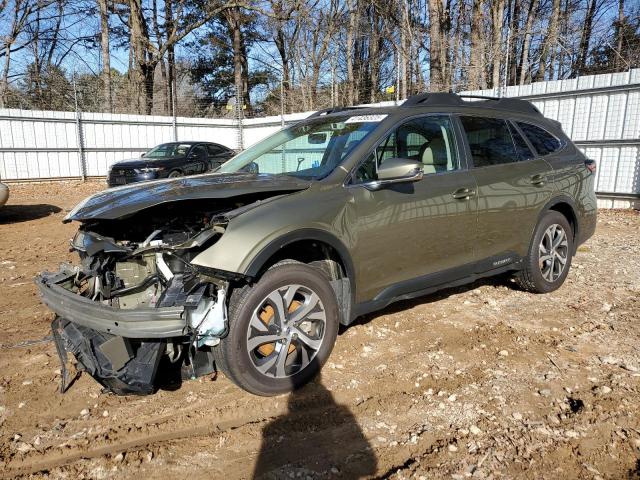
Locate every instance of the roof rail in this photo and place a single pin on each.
(328, 111)
(481, 97)
(437, 98)
(441, 99)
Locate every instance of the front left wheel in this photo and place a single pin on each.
(281, 330)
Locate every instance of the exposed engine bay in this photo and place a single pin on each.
(135, 304)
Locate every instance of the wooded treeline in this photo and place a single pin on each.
(201, 57)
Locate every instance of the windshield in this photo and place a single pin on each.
(168, 150)
(312, 150)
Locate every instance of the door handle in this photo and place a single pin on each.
(463, 194)
(538, 180)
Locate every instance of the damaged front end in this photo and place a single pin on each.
(136, 313)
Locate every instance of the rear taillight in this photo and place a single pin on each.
(591, 165)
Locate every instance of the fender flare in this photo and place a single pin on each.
(569, 201)
(311, 234)
(258, 261)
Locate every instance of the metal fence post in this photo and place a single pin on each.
(79, 134)
(174, 118)
(239, 115)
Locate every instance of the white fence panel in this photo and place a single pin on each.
(601, 113)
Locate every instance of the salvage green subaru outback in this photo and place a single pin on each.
(250, 270)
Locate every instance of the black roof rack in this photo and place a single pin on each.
(328, 111)
(441, 99)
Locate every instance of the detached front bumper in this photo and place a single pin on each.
(147, 323)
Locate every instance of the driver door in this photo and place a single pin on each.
(411, 236)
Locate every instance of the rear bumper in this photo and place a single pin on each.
(136, 323)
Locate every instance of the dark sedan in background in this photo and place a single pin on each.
(170, 160)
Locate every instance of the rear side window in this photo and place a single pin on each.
(544, 142)
(214, 149)
(521, 146)
(489, 140)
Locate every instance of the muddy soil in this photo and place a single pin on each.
(484, 381)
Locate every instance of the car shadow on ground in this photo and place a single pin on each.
(23, 213)
(504, 279)
(316, 437)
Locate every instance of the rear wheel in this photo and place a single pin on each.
(281, 330)
(175, 174)
(550, 253)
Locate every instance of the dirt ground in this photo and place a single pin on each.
(484, 381)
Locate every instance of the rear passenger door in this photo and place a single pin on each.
(197, 160)
(513, 185)
(217, 155)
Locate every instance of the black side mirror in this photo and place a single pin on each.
(251, 168)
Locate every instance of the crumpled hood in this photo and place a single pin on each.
(119, 202)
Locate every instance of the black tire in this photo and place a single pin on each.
(531, 277)
(175, 174)
(232, 356)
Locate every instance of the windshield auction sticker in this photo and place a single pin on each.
(365, 118)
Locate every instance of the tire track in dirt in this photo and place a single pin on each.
(314, 408)
(59, 460)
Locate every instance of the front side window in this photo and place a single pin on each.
(489, 140)
(544, 142)
(428, 140)
(312, 150)
(168, 150)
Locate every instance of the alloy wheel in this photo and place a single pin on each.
(553, 252)
(286, 331)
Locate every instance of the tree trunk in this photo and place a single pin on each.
(497, 13)
(405, 42)
(106, 54)
(457, 54)
(550, 43)
(524, 63)
(351, 33)
(171, 57)
(514, 21)
(374, 53)
(583, 50)
(476, 54)
(143, 71)
(617, 63)
(436, 71)
(233, 17)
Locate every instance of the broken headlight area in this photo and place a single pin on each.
(136, 313)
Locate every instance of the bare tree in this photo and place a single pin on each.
(438, 79)
(524, 62)
(583, 49)
(476, 55)
(497, 19)
(549, 44)
(106, 53)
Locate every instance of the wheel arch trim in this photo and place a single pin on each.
(310, 234)
(564, 199)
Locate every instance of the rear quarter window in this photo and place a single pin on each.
(543, 141)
